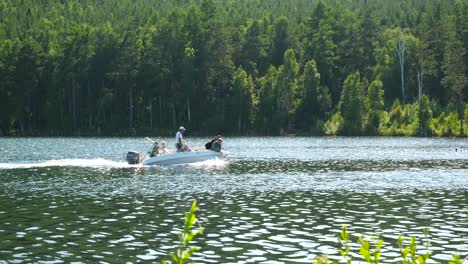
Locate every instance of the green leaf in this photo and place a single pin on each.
(344, 234)
(406, 251)
(455, 259)
(365, 254)
(188, 253)
(377, 257)
(380, 244)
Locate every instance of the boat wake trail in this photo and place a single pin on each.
(210, 163)
(92, 163)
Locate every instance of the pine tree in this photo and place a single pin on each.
(424, 116)
(375, 105)
(280, 40)
(352, 105)
(286, 89)
(267, 116)
(453, 66)
(315, 100)
(243, 101)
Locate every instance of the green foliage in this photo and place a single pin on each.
(375, 95)
(402, 120)
(287, 89)
(315, 100)
(268, 104)
(399, 50)
(352, 105)
(244, 100)
(370, 255)
(465, 120)
(321, 260)
(370, 251)
(345, 248)
(425, 116)
(409, 254)
(334, 126)
(375, 106)
(184, 252)
(446, 125)
(280, 40)
(455, 260)
(120, 67)
(453, 66)
(253, 52)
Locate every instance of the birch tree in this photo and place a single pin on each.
(400, 50)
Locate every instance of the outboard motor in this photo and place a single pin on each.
(133, 157)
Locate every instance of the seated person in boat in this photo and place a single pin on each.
(216, 146)
(210, 143)
(180, 144)
(155, 150)
(163, 149)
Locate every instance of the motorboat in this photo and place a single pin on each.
(162, 156)
(172, 157)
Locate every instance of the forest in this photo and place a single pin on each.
(236, 67)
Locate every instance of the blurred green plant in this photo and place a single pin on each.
(372, 254)
(344, 251)
(370, 251)
(408, 253)
(369, 254)
(322, 260)
(455, 260)
(184, 252)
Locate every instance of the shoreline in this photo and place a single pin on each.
(229, 135)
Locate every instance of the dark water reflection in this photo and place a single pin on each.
(256, 226)
(254, 209)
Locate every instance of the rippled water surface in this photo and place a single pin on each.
(273, 200)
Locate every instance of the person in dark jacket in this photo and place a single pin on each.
(155, 150)
(210, 143)
(216, 146)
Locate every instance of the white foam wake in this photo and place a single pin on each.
(210, 163)
(93, 163)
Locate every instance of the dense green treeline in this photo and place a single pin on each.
(245, 67)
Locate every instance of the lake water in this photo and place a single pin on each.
(273, 200)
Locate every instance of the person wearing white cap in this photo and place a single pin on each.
(163, 148)
(180, 144)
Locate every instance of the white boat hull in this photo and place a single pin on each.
(183, 157)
